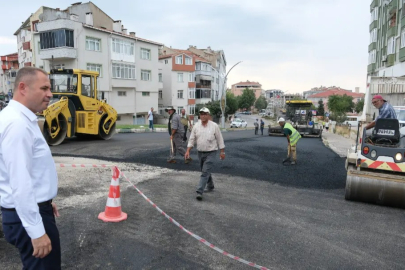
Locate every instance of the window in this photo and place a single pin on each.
(145, 54)
(179, 109)
(93, 44)
(56, 38)
(123, 71)
(373, 35)
(179, 77)
(391, 46)
(191, 109)
(179, 93)
(122, 93)
(202, 93)
(191, 77)
(87, 86)
(189, 60)
(145, 75)
(145, 94)
(122, 46)
(160, 77)
(372, 57)
(191, 93)
(374, 14)
(179, 60)
(94, 67)
(166, 61)
(160, 94)
(403, 38)
(198, 66)
(59, 66)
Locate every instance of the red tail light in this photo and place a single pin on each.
(366, 150)
(360, 140)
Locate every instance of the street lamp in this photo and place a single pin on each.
(223, 98)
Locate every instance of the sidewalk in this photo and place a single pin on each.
(337, 143)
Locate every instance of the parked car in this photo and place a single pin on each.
(237, 123)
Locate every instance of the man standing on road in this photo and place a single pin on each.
(28, 179)
(208, 137)
(256, 124)
(261, 126)
(185, 120)
(292, 137)
(150, 117)
(176, 131)
(385, 110)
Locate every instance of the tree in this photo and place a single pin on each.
(214, 107)
(359, 105)
(321, 108)
(231, 103)
(247, 99)
(339, 105)
(261, 103)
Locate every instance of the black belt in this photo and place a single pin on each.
(39, 204)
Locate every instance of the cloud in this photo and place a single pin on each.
(8, 40)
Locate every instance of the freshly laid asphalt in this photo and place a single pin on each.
(281, 217)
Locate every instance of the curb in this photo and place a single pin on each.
(140, 130)
(333, 148)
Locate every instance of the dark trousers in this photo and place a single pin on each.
(262, 128)
(151, 124)
(206, 165)
(16, 235)
(185, 133)
(256, 130)
(178, 145)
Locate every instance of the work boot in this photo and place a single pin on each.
(293, 162)
(207, 189)
(199, 196)
(171, 161)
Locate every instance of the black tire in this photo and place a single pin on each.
(62, 134)
(101, 133)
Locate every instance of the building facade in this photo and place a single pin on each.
(324, 96)
(84, 37)
(9, 66)
(237, 88)
(387, 49)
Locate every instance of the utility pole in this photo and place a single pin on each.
(223, 98)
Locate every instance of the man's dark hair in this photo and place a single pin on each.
(27, 73)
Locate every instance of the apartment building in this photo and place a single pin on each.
(9, 66)
(387, 47)
(237, 88)
(84, 37)
(324, 95)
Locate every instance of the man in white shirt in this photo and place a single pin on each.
(208, 137)
(28, 179)
(150, 118)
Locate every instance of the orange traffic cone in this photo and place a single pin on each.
(113, 211)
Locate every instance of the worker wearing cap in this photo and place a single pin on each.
(385, 110)
(292, 137)
(208, 137)
(176, 131)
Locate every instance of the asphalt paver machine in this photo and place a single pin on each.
(299, 113)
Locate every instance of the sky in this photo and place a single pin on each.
(283, 44)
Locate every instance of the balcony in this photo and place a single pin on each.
(392, 5)
(373, 25)
(372, 46)
(390, 60)
(203, 73)
(373, 4)
(371, 68)
(402, 54)
(58, 53)
(5, 67)
(27, 46)
(392, 31)
(27, 64)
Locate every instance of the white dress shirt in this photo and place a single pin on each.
(208, 138)
(27, 169)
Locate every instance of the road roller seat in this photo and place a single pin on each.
(386, 131)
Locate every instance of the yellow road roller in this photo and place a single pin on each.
(75, 109)
(376, 165)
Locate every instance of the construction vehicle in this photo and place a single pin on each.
(376, 164)
(75, 109)
(299, 113)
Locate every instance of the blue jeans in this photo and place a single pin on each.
(16, 235)
(151, 124)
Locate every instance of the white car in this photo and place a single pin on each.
(237, 123)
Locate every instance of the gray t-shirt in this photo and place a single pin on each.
(175, 123)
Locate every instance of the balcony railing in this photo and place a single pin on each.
(392, 31)
(373, 25)
(27, 46)
(402, 54)
(372, 46)
(373, 4)
(392, 5)
(371, 68)
(390, 60)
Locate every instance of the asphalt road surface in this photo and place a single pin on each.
(281, 217)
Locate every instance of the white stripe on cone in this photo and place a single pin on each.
(111, 202)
